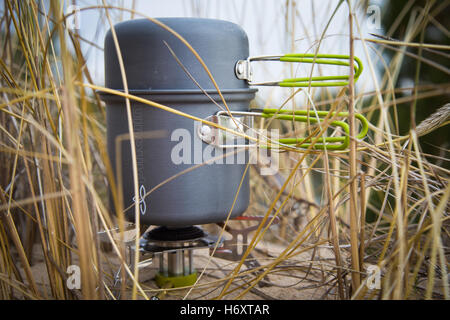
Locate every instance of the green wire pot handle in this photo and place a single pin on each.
(244, 120)
(322, 143)
(243, 70)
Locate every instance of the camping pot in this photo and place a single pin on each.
(177, 185)
(160, 68)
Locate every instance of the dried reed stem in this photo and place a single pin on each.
(356, 278)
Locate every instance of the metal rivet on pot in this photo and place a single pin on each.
(240, 68)
(205, 131)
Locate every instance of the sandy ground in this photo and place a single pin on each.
(292, 280)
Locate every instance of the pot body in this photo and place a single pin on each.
(175, 187)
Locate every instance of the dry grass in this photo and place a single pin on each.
(54, 170)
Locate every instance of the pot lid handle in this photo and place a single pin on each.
(243, 70)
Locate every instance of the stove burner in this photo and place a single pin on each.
(173, 248)
(174, 234)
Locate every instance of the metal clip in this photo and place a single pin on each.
(243, 70)
(242, 121)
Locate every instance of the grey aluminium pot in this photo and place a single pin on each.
(207, 193)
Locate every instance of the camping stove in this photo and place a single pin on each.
(172, 249)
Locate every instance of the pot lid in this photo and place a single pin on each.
(150, 65)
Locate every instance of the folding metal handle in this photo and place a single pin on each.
(243, 122)
(314, 117)
(243, 70)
